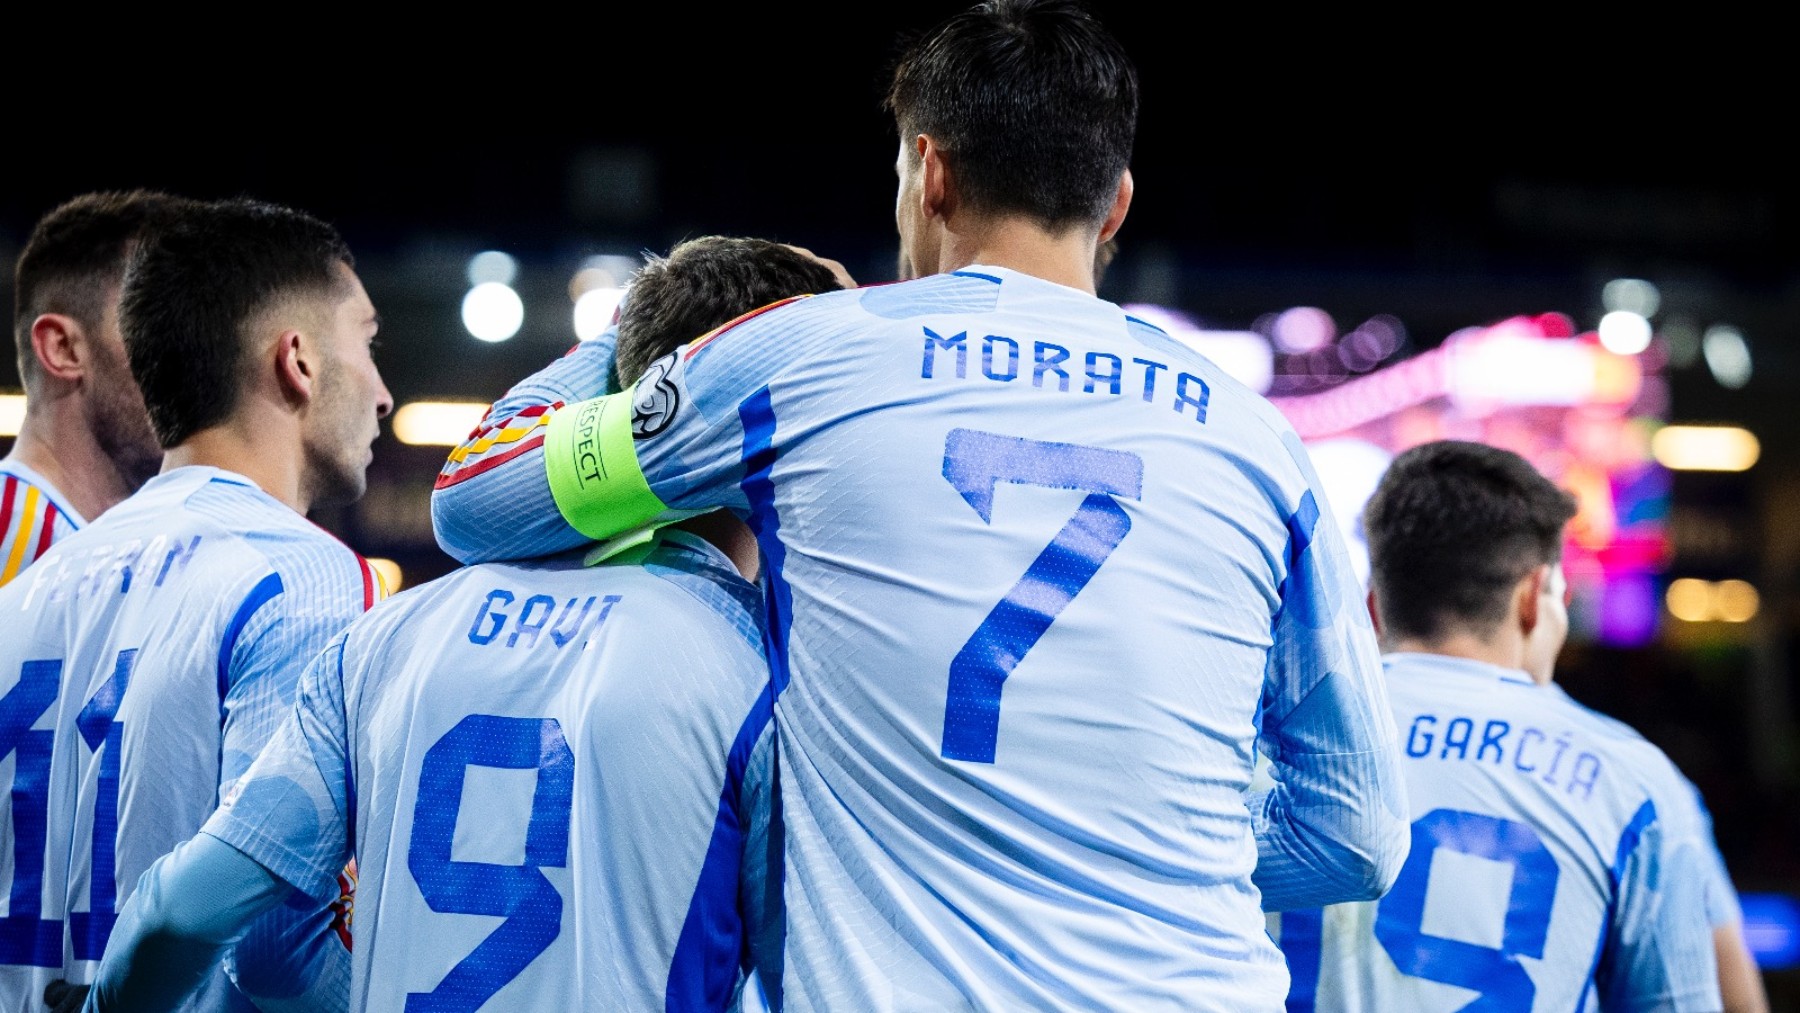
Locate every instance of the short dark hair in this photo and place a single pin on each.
(75, 255)
(1453, 526)
(703, 284)
(192, 287)
(1034, 103)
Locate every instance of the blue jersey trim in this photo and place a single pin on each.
(1301, 935)
(1145, 323)
(259, 596)
(757, 416)
(704, 968)
(1628, 842)
(975, 274)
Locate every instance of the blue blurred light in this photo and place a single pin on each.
(1772, 929)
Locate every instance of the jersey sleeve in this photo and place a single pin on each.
(696, 427)
(292, 814)
(1659, 951)
(1333, 825)
(187, 910)
(492, 499)
(315, 591)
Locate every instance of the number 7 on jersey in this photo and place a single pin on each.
(975, 463)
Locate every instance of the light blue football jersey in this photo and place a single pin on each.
(1035, 571)
(1559, 863)
(147, 659)
(548, 774)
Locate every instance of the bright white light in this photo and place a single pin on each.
(390, 573)
(437, 423)
(12, 413)
(1705, 448)
(493, 311)
(1303, 329)
(1632, 295)
(594, 311)
(492, 265)
(1624, 332)
(1727, 355)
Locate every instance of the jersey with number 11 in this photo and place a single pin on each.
(146, 659)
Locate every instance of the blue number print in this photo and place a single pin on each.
(519, 893)
(1504, 985)
(89, 929)
(974, 464)
(25, 937)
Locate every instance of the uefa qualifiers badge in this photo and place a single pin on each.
(657, 398)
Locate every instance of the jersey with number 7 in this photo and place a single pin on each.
(1034, 573)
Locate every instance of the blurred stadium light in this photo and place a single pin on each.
(1705, 448)
(12, 413)
(437, 423)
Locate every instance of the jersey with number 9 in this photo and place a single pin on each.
(548, 773)
(1558, 863)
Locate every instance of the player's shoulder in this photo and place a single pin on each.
(267, 534)
(1654, 771)
(700, 582)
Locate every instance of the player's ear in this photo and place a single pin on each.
(1121, 204)
(60, 344)
(937, 190)
(295, 370)
(1525, 597)
(1374, 612)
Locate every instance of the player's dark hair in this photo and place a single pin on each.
(1453, 527)
(702, 284)
(194, 287)
(1034, 103)
(76, 254)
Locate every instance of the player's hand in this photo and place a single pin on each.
(837, 269)
(63, 997)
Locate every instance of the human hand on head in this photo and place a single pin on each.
(837, 269)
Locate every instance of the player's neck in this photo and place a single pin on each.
(730, 536)
(1020, 245)
(274, 461)
(55, 443)
(1500, 650)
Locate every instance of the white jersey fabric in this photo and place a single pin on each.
(548, 774)
(146, 660)
(1559, 863)
(1035, 573)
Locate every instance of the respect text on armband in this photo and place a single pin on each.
(1045, 365)
(585, 451)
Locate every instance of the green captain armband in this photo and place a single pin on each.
(593, 468)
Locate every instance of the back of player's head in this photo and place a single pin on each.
(1033, 102)
(1452, 528)
(193, 292)
(75, 257)
(702, 284)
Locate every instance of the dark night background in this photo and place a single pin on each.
(1449, 169)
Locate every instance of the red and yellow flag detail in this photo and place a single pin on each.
(494, 442)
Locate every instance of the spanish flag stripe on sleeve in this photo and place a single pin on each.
(45, 537)
(15, 560)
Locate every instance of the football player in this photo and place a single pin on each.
(85, 442)
(151, 654)
(1036, 576)
(580, 746)
(1558, 861)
